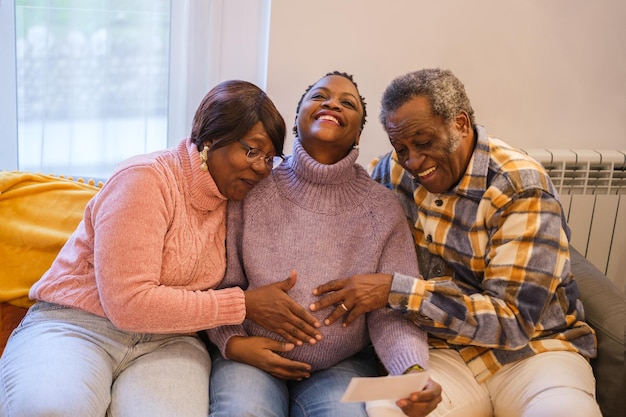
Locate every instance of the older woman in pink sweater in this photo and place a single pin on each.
(114, 327)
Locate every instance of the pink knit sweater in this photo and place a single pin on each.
(150, 250)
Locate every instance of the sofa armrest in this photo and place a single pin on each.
(10, 317)
(605, 311)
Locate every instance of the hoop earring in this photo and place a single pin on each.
(204, 157)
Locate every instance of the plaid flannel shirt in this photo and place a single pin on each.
(494, 258)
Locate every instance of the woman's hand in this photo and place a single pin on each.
(420, 403)
(261, 352)
(359, 294)
(271, 307)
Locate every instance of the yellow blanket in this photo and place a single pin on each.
(38, 213)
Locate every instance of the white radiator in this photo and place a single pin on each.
(592, 186)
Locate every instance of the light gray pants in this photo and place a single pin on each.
(66, 362)
(549, 384)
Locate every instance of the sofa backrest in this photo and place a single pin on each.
(605, 311)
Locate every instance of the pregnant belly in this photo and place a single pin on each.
(337, 344)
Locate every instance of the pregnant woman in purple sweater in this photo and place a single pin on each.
(320, 214)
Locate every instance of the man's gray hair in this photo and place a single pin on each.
(443, 90)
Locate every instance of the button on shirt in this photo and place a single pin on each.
(494, 258)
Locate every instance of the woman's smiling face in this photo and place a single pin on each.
(330, 118)
(230, 169)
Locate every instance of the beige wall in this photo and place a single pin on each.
(539, 73)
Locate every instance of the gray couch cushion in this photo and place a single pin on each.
(605, 311)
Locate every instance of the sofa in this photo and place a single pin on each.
(38, 213)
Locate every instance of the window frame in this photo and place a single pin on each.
(8, 85)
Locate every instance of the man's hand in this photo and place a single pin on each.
(421, 403)
(270, 306)
(261, 353)
(353, 296)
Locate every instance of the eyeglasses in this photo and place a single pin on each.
(255, 155)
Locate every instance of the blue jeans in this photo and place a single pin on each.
(237, 389)
(66, 362)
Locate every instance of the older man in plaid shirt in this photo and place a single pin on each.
(507, 330)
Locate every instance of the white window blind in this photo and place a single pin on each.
(92, 82)
(97, 81)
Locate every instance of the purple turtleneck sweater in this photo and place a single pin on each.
(326, 222)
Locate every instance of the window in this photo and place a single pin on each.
(96, 81)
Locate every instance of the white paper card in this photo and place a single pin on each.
(384, 387)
